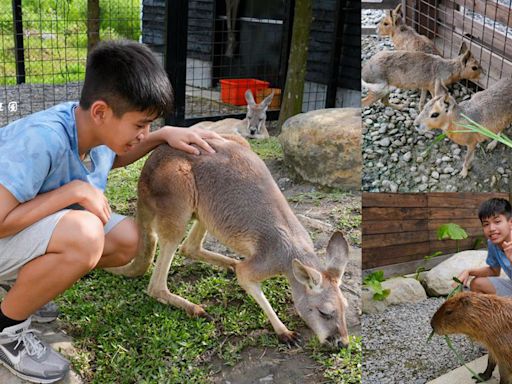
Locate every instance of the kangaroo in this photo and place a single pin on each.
(232, 195)
(252, 127)
(406, 38)
(413, 70)
(492, 108)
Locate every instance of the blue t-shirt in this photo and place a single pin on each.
(496, 258)
(39, 153)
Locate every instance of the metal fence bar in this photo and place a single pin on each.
(176, 55)
(337, 42)
(19, 52)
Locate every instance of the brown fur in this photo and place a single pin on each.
(413, 70)
(492, 108)
(484, 318)
(404, 37)
(233, 196)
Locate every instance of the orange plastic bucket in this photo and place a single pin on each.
(232, 91)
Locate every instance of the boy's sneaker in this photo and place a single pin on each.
(46, 313)
(29, 358)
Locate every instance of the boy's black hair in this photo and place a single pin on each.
(494, 207)
(128, 77)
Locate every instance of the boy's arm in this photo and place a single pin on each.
(16, 216)
(179, 138)
(478, 272)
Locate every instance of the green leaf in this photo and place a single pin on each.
(451, 231)
(381, 295)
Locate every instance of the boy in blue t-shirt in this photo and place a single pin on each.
(496, 218)
(59, 159)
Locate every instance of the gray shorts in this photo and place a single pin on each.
(17, 250)
(503, 285)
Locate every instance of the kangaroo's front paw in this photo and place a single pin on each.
(464, 173)
(290, 338)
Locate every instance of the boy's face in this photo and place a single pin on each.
(497, 228)
(125, 133)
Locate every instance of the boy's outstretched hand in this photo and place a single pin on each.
(507, 247)
(464, 277)
(183, 138)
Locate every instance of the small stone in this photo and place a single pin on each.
(445, 158)
(448, 170)
(385, 142)
(419, 159)
(407, 157)
(435, 175)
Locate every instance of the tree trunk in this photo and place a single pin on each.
(231, 13)
(93, 23)
(294, 87)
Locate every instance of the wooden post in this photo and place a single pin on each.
(93, 23)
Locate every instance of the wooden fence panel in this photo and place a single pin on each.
(402, 227)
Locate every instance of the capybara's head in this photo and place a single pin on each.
(463, 313)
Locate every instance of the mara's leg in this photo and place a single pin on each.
(467, 160)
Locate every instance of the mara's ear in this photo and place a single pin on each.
(440, 88)
(449, 103)
(463, 48)
(465, 57)
(307, 276)
(337, 254)
(267, 100)
(249, 98)
(398, 9)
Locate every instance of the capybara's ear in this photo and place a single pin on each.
(465, 301)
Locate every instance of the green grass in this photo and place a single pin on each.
(55, 37)
(267, 149)
(124, 336)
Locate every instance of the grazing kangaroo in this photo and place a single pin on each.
(232, 195)
(252, 127)
(491, 108)
(406, 38)
(413, 70)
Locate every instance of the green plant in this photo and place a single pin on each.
(421, 268)
(452, 231)
(373, 281)
(473, 126)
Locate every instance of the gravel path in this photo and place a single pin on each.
(397, 158)
(395, 348)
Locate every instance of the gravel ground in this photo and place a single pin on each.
(397, 158)
(395, 348)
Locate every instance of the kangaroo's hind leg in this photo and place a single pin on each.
(192, 247)
(171, 229)
(147, 244)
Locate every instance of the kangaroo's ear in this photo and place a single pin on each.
(396, 14)
(440, 88)
(249, 98)
(307, 276)
(267, 100)
(466, 57)
(337, 254)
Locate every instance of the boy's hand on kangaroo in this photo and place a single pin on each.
(93, 200)
(183, 139)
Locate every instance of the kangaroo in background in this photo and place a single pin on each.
(405, 38)
(252, 127)
(414, 70)
(491, 108)
(232, 195)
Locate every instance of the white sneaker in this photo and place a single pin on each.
(29, 358)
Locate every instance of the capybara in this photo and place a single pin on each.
(484, 318)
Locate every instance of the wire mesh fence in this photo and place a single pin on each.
(43, 49)
(485, 27)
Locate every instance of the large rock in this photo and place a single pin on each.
(438, 281)
(324, 146)
(402, 290)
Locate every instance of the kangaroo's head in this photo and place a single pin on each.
(470, 67)
(389, 22)
(438, 112)
(256, 116)
(317, 295)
